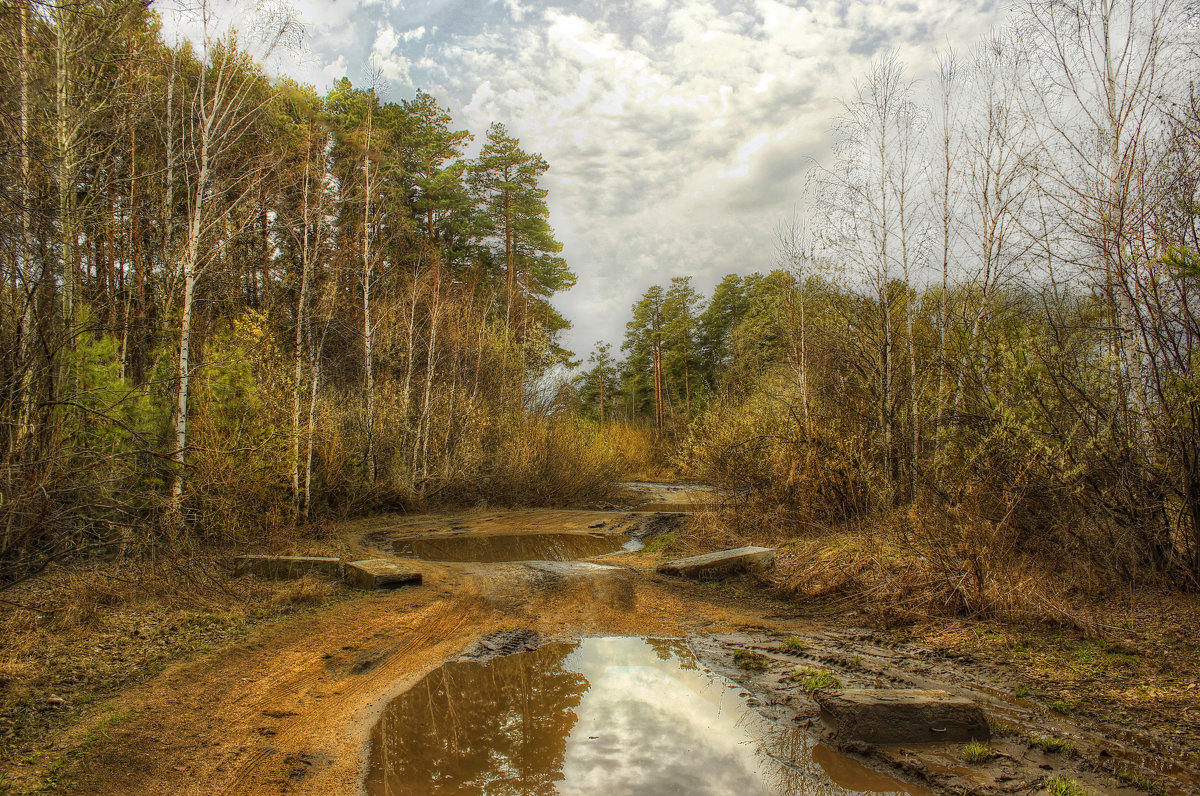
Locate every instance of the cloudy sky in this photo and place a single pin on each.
(678, 132)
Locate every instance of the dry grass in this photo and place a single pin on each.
(75, 635)
(899, 570)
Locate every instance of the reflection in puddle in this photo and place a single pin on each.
(610, 716)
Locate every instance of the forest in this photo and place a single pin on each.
(232, 303)
(288, 425)
(978, 346)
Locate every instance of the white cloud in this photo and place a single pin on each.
(515, 9)
(677, 131)
(384, 56)
(334, 70)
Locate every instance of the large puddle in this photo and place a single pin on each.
(612, 716)
(492, 548)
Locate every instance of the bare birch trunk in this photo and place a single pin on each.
(430, 357)
(191, 266)
(367, 275)
(301, 325)
(28, 274)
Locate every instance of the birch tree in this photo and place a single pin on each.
(863, 220)
(225, 102)
(1103, 71)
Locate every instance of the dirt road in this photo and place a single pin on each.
(290, 709)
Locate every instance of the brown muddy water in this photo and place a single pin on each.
(494, 548)
(618, 716)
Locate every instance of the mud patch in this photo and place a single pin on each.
(604, 715)
(1030, 747)
(499, 644)
(495, 548)
(676, 498)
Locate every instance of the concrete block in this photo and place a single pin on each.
(712, 566)
(882, 716)
(380, 573)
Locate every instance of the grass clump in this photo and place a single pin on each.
(1049, 743)
(1133, 776)
(751, 660)
(819, 680)
(812, 680)
(660, 543)
(792, 644)
(1065, 706)
(1002, 727)
(1060, 785)
(976, 752)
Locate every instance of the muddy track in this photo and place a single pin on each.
(290, 709)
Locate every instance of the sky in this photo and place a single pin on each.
(679, 132)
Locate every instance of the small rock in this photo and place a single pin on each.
(55, 701)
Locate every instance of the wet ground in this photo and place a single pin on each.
(493, 548)
(521, 668)
(685, 498)
(1030, 748)
(614, 715)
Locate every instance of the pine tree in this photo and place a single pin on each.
(507, 180)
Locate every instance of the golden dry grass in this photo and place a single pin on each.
(898, 570)
(76, 634)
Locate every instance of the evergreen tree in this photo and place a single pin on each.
(517, 219)
(644, 344)
(681, 332)
(598, 385)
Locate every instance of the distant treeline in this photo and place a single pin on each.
(983, 327)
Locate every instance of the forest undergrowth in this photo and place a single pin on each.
(1080, 642)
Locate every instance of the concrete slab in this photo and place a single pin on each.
(380, 573)
(288, 567)
(910, 716)
(712, 566)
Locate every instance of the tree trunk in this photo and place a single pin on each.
(301, 325)
(367, 274)
(424, 424)
(66, 170)
(28, 273)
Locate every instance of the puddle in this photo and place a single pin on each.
(493, 548)
(617, 716)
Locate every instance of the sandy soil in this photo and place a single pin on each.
(289, 709)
